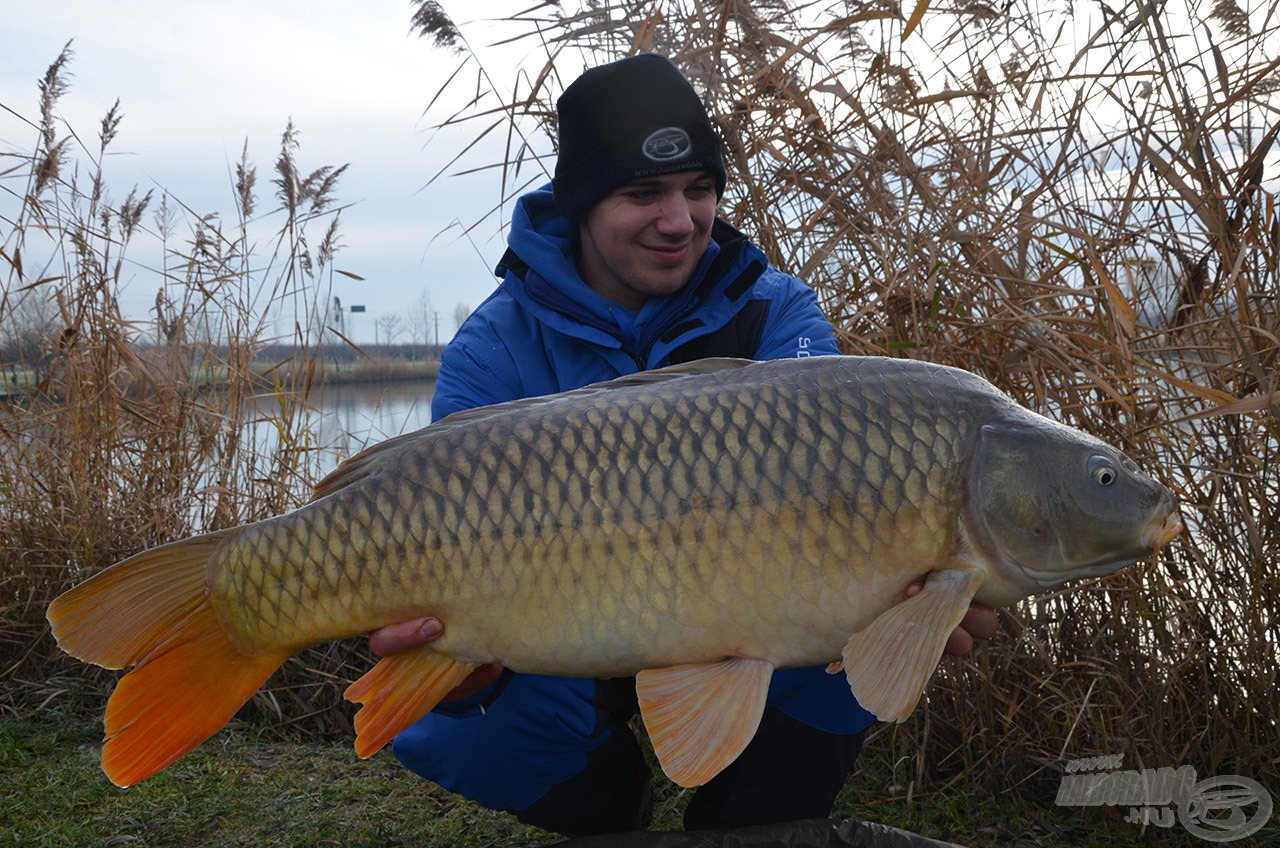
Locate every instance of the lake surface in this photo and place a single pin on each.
(350, 417)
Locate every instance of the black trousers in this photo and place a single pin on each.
(789, 771)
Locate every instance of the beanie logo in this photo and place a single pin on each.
(667, 145)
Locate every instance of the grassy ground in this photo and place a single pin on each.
(239, 791)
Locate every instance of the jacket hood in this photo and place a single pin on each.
(540, 271)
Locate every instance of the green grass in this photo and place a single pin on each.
(236, 790)
(232, 791)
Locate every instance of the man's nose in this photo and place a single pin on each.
(674, 215)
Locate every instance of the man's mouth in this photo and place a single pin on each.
(668, 254)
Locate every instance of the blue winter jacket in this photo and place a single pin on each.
(544, 331)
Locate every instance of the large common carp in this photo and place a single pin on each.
(697, 526)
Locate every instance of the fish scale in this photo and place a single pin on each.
(697, 526)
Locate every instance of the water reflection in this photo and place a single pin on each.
(351, 417)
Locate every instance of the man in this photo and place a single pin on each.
(620, 266)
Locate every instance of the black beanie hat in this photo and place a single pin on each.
(637, 117)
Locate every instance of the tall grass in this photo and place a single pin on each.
(118, 434)
(1091, 224)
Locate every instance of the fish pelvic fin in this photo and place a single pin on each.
(889, 662)
(151, 612)
(701, 716)
(398, 691)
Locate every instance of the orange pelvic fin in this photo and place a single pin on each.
(150, 611)
(701, 716)
(889, 662)
(398, 691)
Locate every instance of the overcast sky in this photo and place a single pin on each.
(195, 80)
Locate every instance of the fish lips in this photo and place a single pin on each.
(1162, 530)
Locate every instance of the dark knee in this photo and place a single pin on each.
(611, 795)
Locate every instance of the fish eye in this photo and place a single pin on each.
(1104, 475)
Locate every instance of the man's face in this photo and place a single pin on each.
(645, 238)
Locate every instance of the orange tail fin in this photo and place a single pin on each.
(150, 611)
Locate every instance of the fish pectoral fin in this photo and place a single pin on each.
(889, 662)
(701, 716)
(398, 691)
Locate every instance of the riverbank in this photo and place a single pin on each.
(15, 383)
(370, 370)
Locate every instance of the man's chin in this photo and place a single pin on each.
(665, 282)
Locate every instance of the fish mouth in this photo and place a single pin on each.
(1161, 531)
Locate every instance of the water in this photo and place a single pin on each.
(351, 417)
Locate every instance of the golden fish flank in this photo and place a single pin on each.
(700, 525)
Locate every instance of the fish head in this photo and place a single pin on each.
(1047, 504)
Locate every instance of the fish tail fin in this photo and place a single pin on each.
(151, 611)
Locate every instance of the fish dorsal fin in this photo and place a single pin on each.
(659, 375)
(889, 662)
(358, 466)
(701, 716)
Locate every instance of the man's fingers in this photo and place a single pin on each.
(980, 621)
(959, 643)
(405, 635)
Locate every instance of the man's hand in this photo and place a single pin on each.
(406, 635)
(978, 623)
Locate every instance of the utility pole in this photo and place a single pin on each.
(437, 317)
(335, 321)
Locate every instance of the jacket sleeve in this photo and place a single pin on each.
(796, 326)
(467, 380)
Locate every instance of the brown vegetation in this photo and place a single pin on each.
(128, 436)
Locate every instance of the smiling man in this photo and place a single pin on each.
(620, 265)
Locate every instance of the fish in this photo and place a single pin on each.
(696, 526)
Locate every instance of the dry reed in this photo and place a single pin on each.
(119, 435)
